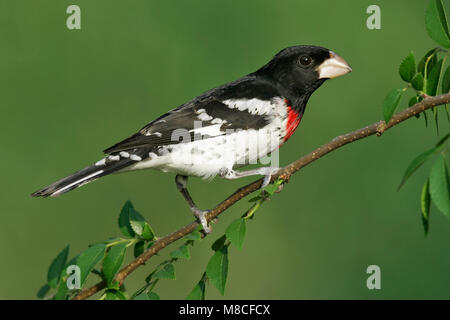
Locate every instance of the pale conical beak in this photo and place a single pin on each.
(333, 67)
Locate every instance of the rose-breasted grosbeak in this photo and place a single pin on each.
(224, 128)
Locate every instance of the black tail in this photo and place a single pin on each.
(82, 177)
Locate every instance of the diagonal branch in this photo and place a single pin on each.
(285, 173)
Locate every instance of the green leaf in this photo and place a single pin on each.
(150, 276)
(147, 296)
(417, 82)
(57, 267)
(153, 296)
(413, 101)
(167, 272)
(435, 116)
(433, 78)
(271, 188)
(63, 290)
(217, 269)
(198, 293)
(439, 185)
(142, 296)
(194, 235)
(89, 258)
(236, 232)
(415, 164)
(219, 243)
(124, 220)
(113, 261)
(442, 140)
(391, 102)
(181, 252)
(431, 57)
(140, 226)
(254, 199)
(426, 118)
(436, 23)
(61, 293)
(43, 291)
(111, 240)
(139, 248)
(407, 68)
(446, 81)
(115, 295)
(425, 203)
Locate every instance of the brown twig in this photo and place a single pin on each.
(285, 173)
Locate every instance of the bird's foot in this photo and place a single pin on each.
(201, 216)
(268, 177)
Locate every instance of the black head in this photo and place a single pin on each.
(299, 70)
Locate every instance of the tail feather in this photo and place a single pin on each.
(81, 177)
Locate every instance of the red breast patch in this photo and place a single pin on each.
(293, 119)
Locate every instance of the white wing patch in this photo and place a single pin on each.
(213, 130)
(253, 106)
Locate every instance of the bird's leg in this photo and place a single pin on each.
(181, 182)
(267, 172)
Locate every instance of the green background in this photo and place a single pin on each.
(66, 95)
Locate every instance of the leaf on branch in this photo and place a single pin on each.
(43, 291)
(415, 164)
(124, 220)
(436, 23)
(139, 248)
(57, 267)
(436, 121)
(431, 57)
(113, 261)
(140, 226)
(433, 78)
(439, 185)
(61, 292)
(442, 140)
(217, 269)
(420, 159)
(194, 235)
(198, 293)
(87, 260)
(115, 295)
(236, 232)
(272, 188)
(446, 81)
(413, 101)
(167, 272)
(391, 102)
(153, 296)
(425, 116)
(219, 243)
(181, 252)
(147, 296)
(407, 68)
(417, 82)
(425, 204)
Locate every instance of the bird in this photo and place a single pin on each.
(223, 129)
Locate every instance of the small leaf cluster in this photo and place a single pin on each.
(436, 188)
(427, 78)
(108, 256)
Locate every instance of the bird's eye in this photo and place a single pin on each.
(305, 61)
